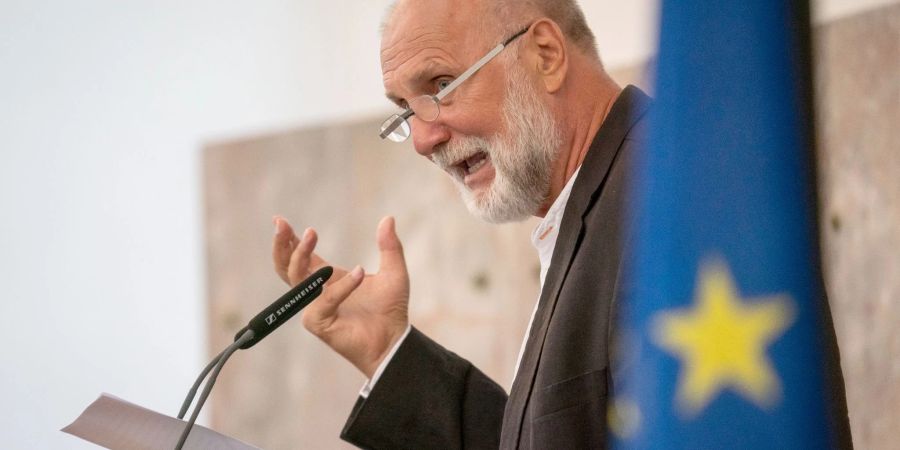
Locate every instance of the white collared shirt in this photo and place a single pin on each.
(544, 240)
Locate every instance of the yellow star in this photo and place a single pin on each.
(722, 342)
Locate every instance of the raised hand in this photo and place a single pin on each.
(359, 316)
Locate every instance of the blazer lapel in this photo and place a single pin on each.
(629, 107)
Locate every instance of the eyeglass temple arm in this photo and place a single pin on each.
(477, 66)
(455, 83)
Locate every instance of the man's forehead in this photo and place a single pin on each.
(404, 46)
(421, 24)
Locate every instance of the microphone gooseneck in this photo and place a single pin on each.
(190, 396)
(209, 385)
(260, 326)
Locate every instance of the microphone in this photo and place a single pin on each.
(260, 326)
(285, 307)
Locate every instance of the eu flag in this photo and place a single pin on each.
(726, 338)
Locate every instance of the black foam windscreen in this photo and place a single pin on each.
(285, 307)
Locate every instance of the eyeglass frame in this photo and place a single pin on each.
(397, 120)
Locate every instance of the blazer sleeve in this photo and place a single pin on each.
(428, 397)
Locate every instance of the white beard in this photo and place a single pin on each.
(522, 156)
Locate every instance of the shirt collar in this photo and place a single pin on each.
(543, 238)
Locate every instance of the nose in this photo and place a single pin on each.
(428, 135)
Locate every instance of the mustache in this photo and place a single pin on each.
(450, 153)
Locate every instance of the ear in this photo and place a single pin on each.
(548, 48)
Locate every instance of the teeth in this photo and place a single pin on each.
(474, 168)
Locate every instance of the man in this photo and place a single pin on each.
(536, 128)
(539, 130)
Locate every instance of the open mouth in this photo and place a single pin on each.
(471, 164)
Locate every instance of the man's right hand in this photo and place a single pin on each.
(359, 316)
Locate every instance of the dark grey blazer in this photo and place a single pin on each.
(430, 398)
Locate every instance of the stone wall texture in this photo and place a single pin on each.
(474, 285)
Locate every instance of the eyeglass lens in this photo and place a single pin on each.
(400, 132)
(425, 107)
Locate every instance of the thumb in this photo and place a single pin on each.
(324, 309)
(389, 246)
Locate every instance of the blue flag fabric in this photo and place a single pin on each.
(722, 330)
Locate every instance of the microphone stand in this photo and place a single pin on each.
(216, 366)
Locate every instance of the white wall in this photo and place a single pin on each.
(104, 105)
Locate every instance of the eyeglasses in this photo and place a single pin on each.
(428, 107)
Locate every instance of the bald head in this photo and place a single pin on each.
(566, 13)
(504, 16)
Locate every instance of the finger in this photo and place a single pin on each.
(299, 266)
(323, 310)
(283, 245)
(316, 262)
(392, 259)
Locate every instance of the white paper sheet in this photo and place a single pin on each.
(116, 424)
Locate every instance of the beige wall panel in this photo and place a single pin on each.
(859, 128)
(474, 285)
(342, 179)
